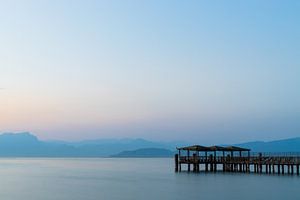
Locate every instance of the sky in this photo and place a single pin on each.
(206, 71)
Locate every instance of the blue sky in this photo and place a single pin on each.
(211, 71)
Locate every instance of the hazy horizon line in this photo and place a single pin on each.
(134, 138)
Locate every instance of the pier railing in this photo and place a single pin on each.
(256, 163)
(263, 159)
(276, 154)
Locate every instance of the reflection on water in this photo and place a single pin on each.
(111, 179)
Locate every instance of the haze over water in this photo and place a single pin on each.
(132, 179)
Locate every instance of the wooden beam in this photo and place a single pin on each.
(189, 164)
(176, 162)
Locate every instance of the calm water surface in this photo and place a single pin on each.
(132, 179)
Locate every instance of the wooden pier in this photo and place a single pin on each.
(234, 159)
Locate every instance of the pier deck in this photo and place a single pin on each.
(234, 159)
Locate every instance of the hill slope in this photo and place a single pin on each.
(286, 145)
(145, 153)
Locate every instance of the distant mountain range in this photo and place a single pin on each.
(145, 153)
(28, 145)
(286, 145)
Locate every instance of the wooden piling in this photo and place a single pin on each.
(248, 167)
(189, 163)
(206, 162)
(194, 163)
(179, 166)
(176, 162)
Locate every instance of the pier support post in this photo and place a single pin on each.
(211, 163)
(240, 161)
(189, 161)
(248, 167)
(179, 166)
(282, 168)
(206, 162)
(243, 168)
(260, 163)
(176, 162)
(298, 169)
(195, 163)
(215, 161)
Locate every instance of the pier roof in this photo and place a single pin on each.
(234, 148)
(212, 148)
(194, 148)
(217, 148)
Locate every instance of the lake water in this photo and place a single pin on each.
(132, 179)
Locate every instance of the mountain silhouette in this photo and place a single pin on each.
(145, 153)
(27, 145)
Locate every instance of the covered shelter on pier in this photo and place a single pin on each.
(210, 156)
(215, 149)
(234, 159)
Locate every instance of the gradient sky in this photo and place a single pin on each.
(205, 71)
